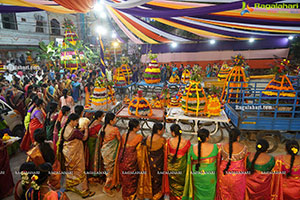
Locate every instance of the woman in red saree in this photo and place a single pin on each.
(232, 170)
(128, 165)
(175, 162)
(37, 118)
(6, 179)
(94, 127)
(60, 122)
(286, 176)
(258, 183)
(44, 152)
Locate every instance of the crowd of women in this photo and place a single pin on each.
(59, 141)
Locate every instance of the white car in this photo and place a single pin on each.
(13, 119)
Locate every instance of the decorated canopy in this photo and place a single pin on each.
(222, 20)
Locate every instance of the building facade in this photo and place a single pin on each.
(19, 32)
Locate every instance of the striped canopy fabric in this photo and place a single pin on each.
(219, 19)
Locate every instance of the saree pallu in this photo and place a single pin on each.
(50, 127)
(258, 186)
(232, 186)
(90, 146)
(200, 185)
(75, 166)
(128, 172)
(109, 152)
(6, 179)
(284, 188)
(156, 161)
(176, 176)
(33, 125)
(144, 189)
(35, 156)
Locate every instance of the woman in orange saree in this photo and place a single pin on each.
(286, 176)
(128, 165)
(175, 162)
(37, 119)
(71, 148)
(258, 183)
(232, 170)
(110, 140)
(44, 152)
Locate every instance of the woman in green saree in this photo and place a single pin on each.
(94, 128)
(201, 176)
(176, 150)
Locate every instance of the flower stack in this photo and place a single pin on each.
(156, 103)
(194, 99)
(70, 58)
(185, 77)
(103, 95)
(224, 71)
(213, 106)
(175, 101)
(280, 83)
(165, 96)
(174, 79)
(152, 71)
(119, 78)
(139, 106)
(236, 78)
(124, 70)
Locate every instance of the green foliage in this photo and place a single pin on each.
(196, 74)
(151, 55)
(48, 53)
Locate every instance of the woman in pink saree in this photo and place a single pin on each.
(258, 183)
(286, 176)
(231, 173)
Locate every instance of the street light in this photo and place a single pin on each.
(174, 44)
(101, 30)
(251, 40)
(212, 41)
(115, 44)
(291, 37)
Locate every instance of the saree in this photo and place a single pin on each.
(90, 147)
(35, 123)
(35, 156)
(174, 173)
(283, 187)
(6, 179)
(76, 90)
(232, 185)
(258, 184)
(73, 153)
(156, 162)
(109, 151)
(129, 167)
(201, 185)
(62, 121)
(87, 96)
(50, 126)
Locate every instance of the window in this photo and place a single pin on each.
(55, 27)
(9, 21)
(39, 27)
